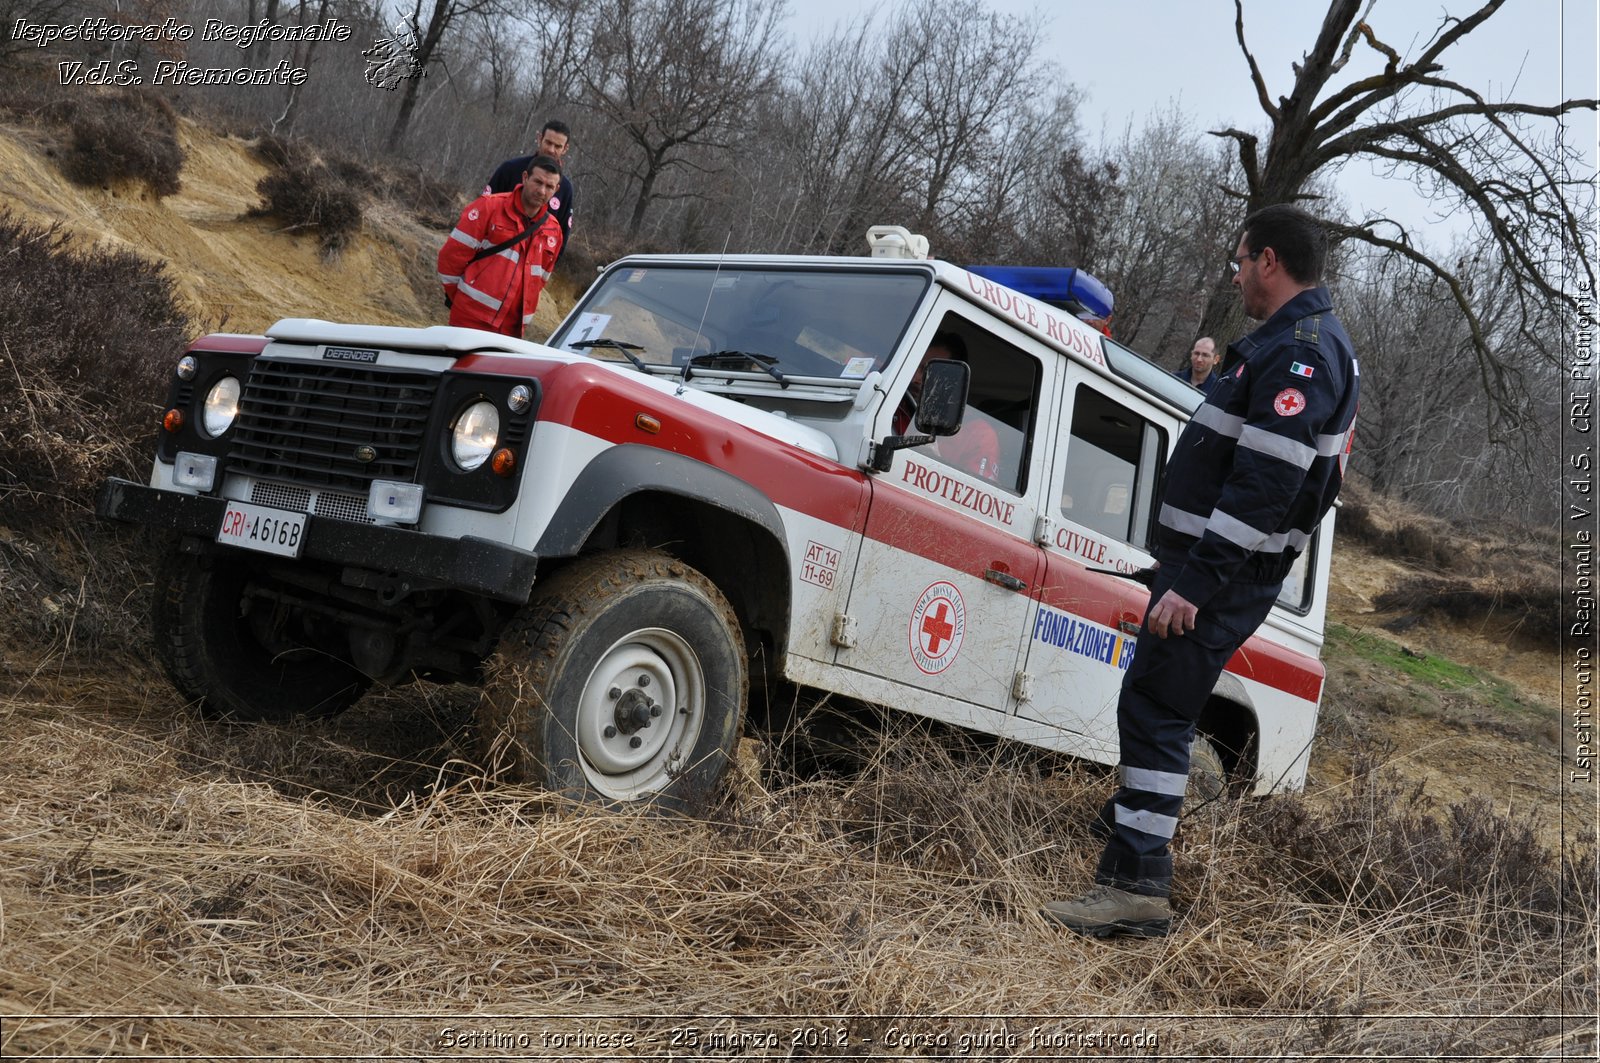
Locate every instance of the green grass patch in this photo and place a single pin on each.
(1438, 673)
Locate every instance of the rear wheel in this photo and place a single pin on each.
(623, 679)
(239, 654)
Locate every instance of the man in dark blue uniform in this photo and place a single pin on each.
(1247, 484)
(554, 140)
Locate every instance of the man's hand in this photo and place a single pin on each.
(1172, 615)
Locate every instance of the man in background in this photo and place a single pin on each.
(501, 253)
(1200, 372)
(555, 139)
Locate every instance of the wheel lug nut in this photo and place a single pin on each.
(610, 731)
(655, 708)
(614, 693)
(635, 742)
(644, 680)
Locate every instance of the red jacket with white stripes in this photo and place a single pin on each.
(498, 292)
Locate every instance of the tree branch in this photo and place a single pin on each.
(1368, 92)
(1255, 71)
(1367, 137)
(1492, 374)
(1248, 159)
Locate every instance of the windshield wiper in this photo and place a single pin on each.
(627, 350)
(736, 360)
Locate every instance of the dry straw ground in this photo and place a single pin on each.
(181, 888)
(348, 888)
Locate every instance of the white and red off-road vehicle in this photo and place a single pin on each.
(695, 490)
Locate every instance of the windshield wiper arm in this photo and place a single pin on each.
(737, 360)
(627, 350)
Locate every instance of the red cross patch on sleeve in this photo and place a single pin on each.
(1289, 402)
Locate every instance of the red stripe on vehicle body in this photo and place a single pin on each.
(222, 344)
(602, 403)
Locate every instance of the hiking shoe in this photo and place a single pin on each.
(1106, 911)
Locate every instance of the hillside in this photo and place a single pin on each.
(350, 887)
(238, 273)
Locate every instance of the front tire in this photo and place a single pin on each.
(624, 679)
(1208, 777)
(238, 655)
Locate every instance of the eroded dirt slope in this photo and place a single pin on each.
(238, 273)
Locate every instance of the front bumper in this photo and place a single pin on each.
(476, 565)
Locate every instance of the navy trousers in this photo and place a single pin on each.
(1163, 694)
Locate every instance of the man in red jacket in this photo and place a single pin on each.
(501, 252)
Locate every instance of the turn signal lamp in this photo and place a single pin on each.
(172, 420)
(504, 462)
(645, 423)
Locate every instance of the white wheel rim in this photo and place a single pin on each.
(624, 754)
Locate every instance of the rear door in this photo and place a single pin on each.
(1102, 487)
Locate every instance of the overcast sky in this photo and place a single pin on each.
(1135, 57)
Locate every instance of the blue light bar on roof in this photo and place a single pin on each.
(1061, 286)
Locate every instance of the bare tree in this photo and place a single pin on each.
(1498, 160)
(933, 120)
(303, 54)
(677, 78)
(1422, 433)
(442, 16)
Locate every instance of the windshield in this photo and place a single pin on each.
(835, 323)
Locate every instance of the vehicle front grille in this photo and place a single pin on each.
(312, 423)
(322, 502)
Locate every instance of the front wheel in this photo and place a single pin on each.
(230, 647)
(622, 680)
(1208, 777)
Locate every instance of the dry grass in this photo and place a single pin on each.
(1506, 578)
(240, 890)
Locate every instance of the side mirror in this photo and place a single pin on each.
(939, 412)
(945, 383)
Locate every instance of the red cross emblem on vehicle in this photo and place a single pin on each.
(938, 626)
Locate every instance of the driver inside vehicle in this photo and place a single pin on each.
(975, 448)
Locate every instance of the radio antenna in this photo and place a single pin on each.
(683, 378)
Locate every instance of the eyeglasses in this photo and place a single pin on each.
(1233, 263)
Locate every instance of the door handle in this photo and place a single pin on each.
(1004, 579)
(1127, 626)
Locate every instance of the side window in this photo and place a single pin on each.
(1114, 460)
(1296, 593)
(997, 429)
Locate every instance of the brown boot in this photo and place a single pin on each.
(1106, 911)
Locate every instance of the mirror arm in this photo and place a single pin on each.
(883, 452)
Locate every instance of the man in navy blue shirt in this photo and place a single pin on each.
(1249, 480)
(554, 140)
(1202, 361)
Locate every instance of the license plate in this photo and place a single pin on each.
(272, 531)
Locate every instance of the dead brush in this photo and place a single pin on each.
(141, 878)
(305, 192)
(123, 136)
(79, 403)
(1525, 606)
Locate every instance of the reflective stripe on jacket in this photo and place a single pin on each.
(1262, 460)
(499, 292)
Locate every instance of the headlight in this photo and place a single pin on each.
(222, 406)
(474, 434)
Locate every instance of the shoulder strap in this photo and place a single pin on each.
(523, 235)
